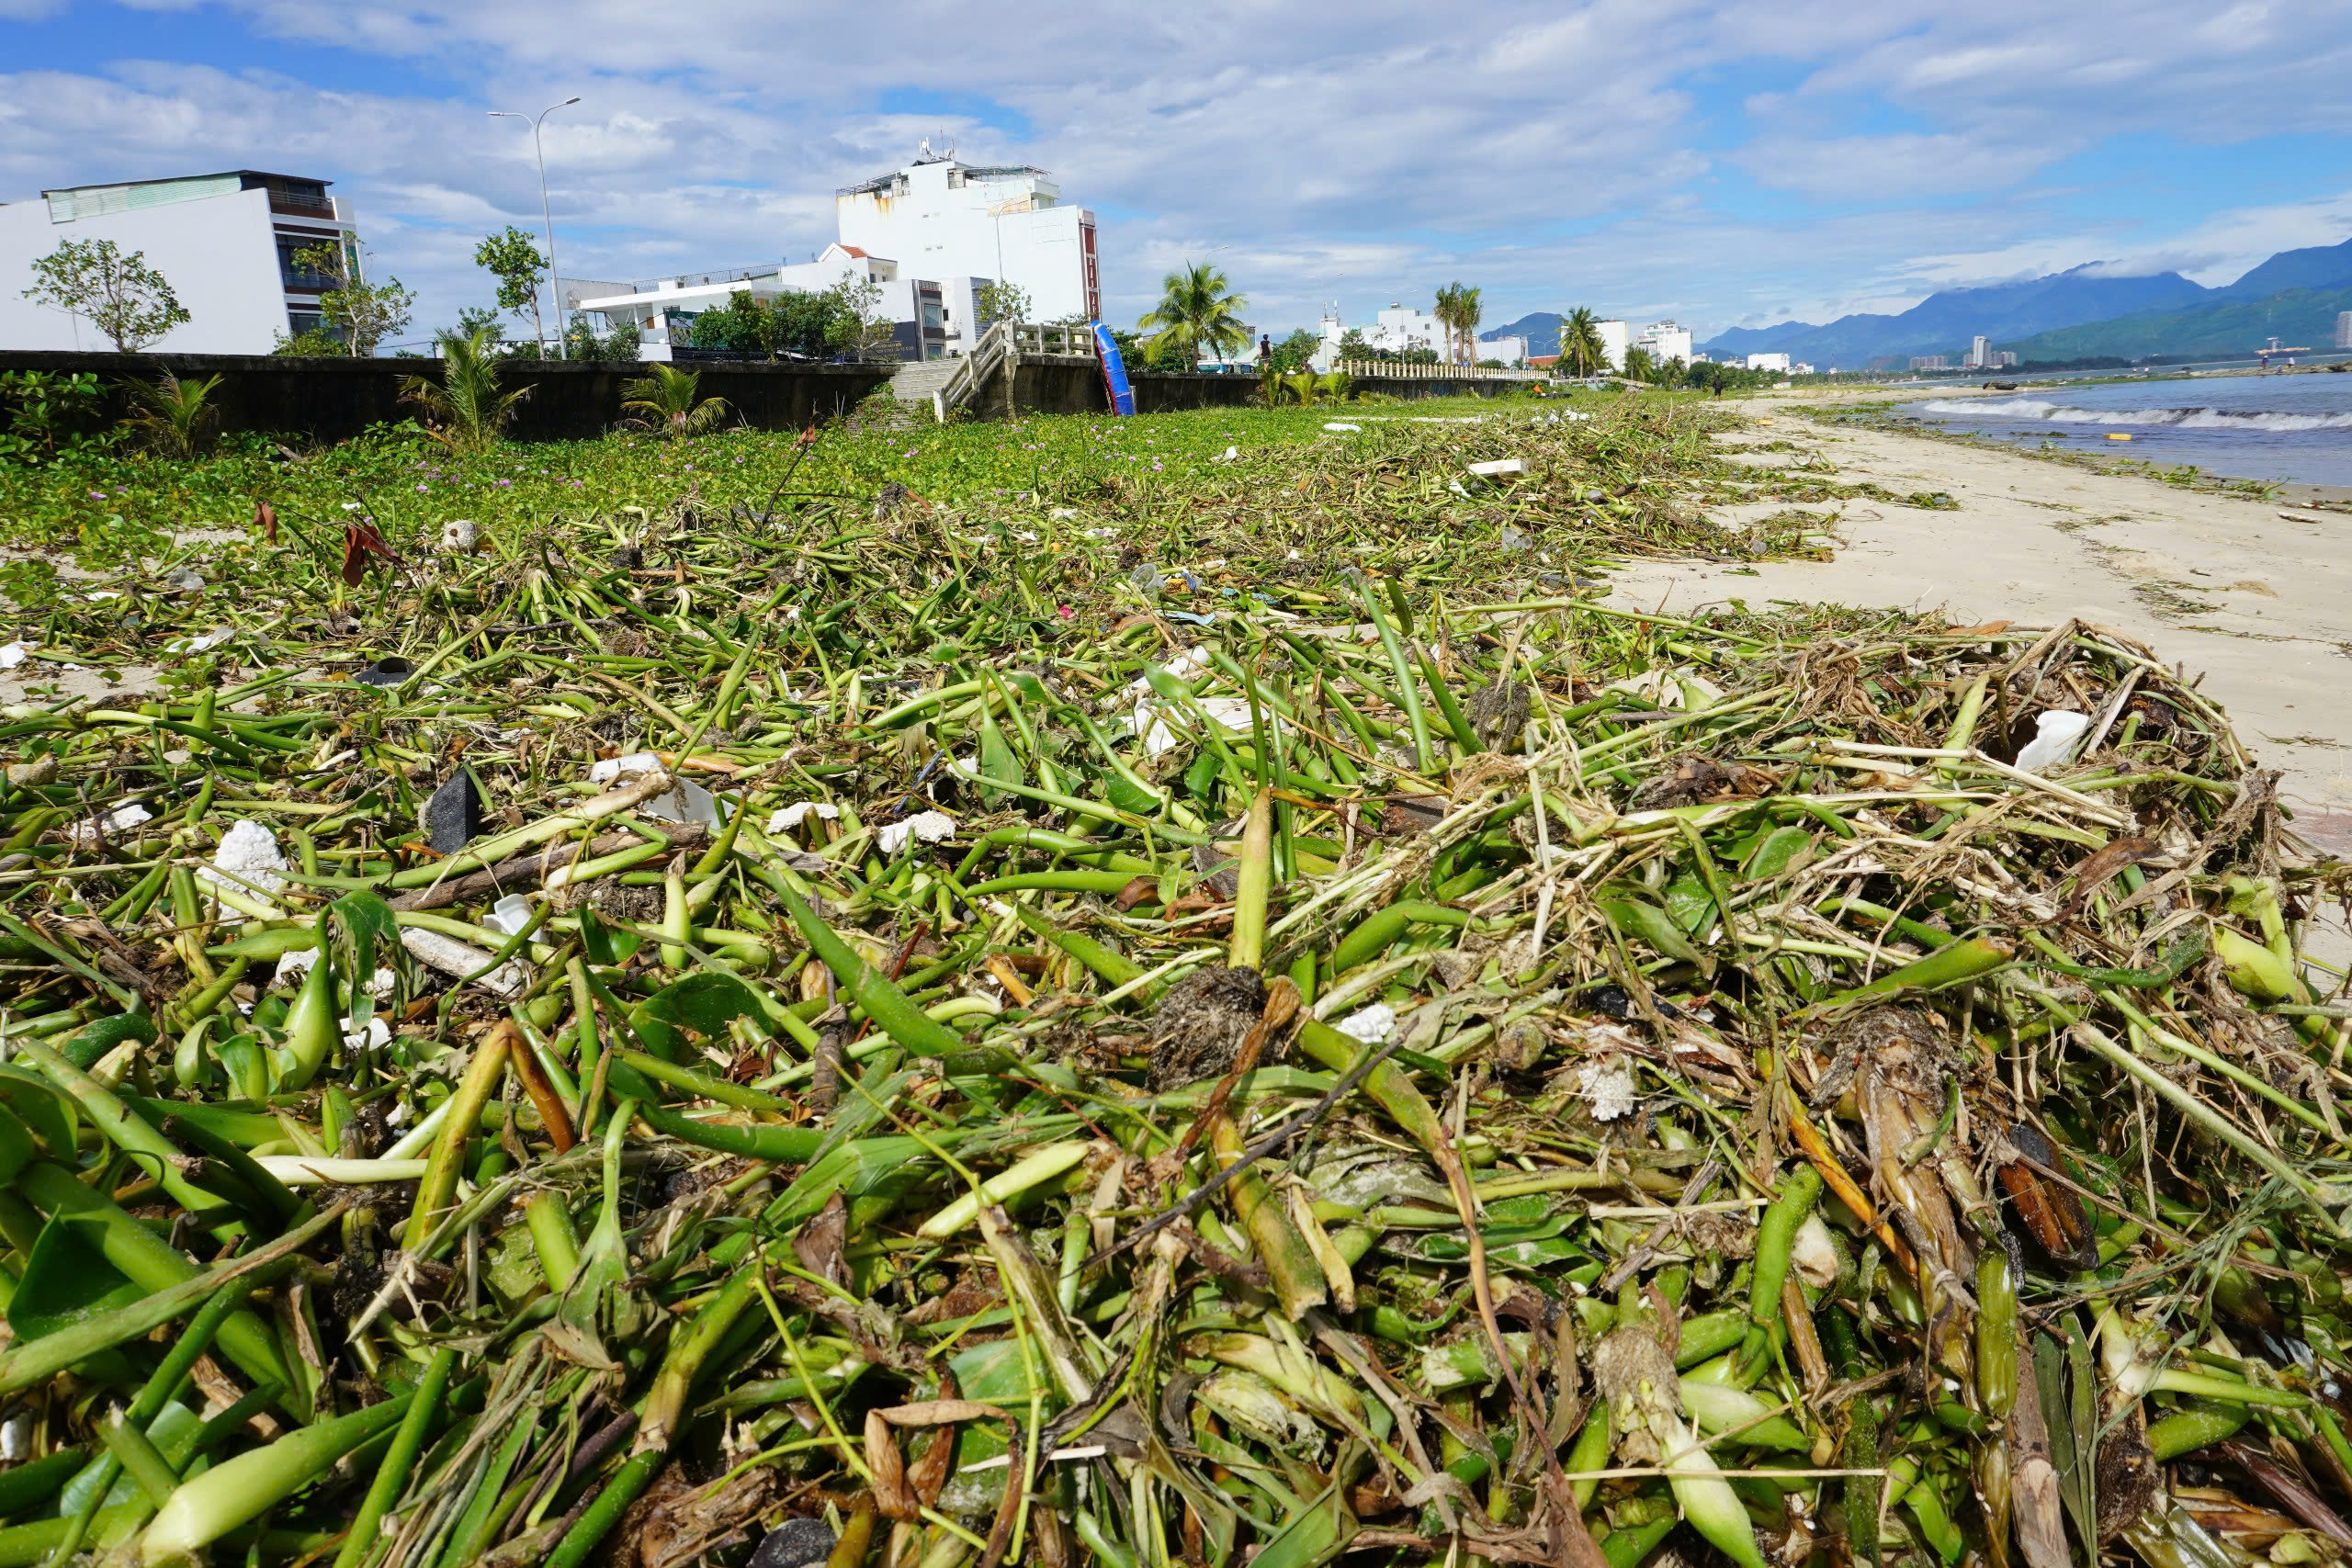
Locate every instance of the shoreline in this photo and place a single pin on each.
(2229, 587)
(2288, 492)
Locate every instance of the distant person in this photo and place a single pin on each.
(1265, 349)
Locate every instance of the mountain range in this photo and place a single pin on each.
(2055, 316)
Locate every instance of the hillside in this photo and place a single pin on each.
(2301, 317)
(2315, 266)
(1540, 328)
(1948, 318)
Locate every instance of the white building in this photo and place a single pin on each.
(225, 243)
(1928, 362)
(1613, 343)
(934, 318)
(1768, 362)
(1665, 341)
(1512, 351)
(931, 234)
(939, 217)
(2343, 329)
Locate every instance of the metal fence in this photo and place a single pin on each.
(1396, 369)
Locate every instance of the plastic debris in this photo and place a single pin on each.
(1608, 1087)
(461, 534)
(15, 653)
(1374, 1026)
(453, 815)
(1498, 467)
(2056, 730)
(1342, 425)
(388, 671)
(786, 817)
(91, 833)
(686, 802)
(509, 915)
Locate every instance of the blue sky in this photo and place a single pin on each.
(1725, 161)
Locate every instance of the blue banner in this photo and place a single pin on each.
(1114, 371)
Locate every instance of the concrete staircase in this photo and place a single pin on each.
(916, 380)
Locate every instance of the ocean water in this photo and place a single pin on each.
(2295, 428)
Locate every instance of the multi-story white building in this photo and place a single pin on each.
(1512, 351)
(940, 217)
(2343, 329)
(1928, 362)
(225, 243)
(932, 235)
(1768, 362)
(1614, 341)
(933, 317)
(1665, 341)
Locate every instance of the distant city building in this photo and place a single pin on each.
(225, 243)
(1928, 362)
(1665, 341)
(1613, 343)
(2343, 329)
(1980, 352)
(1768, 362)
(2001, 359)
(931, 234)
(1512, 351)
(1400, 329)
(1800, 368)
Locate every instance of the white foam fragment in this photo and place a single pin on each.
(1374, 1026)
(247, 860)
(927, 827)
(684, 803)
(15, 653)
(787, 817)
(1608, 1087)
(130, 814)
(1498, 467)
(1342, 425)
(461, 534)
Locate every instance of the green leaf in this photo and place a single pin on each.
(705, 1004)
(40, 1109)
(66, 1280)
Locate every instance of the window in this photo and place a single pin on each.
(933, 317)
(302, 273)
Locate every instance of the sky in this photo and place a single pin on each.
(1732, 163)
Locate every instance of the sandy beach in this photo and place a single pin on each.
(2255, 596)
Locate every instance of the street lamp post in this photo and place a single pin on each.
(546, 215)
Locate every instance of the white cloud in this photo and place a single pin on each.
(1555, 153)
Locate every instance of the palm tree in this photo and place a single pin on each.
(1449, 297)
(1637, 365)
(1580, 343)
(1197, 309)
(467, 411)
(176, 417)
(1466, 323)
(665, 402)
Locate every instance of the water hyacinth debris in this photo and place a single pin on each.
(1511, 1078)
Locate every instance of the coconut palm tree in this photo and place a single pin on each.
(1638, 364)
(666, 405)
(1466, 313)
(1580, 343)
(1197, 309)
(176, 417)
(466, 410)
(1448, 306)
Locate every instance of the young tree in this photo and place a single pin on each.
(856, 327)
(1002, 302)
(1197, 309)
(511, 256)
(1294, 351)
(581, 341)
(124, 298)
(1352, 347)
(365, 313)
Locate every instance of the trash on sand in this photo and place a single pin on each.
(15, 653)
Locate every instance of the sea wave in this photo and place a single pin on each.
(2182, 418)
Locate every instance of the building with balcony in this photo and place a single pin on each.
(1663, 341)
(225, 243)
(940, 217)
(1768, 362)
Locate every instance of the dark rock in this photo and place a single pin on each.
(795, 1543)
(453, 815)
